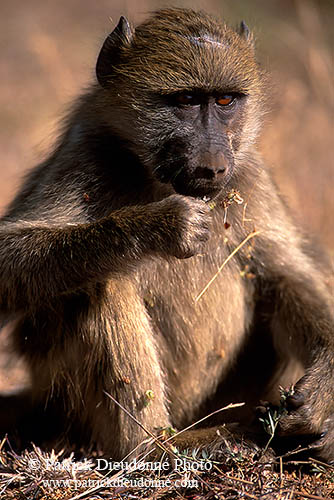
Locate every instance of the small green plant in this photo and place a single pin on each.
(273, 414)
(149, 397)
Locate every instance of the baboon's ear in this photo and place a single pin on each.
(244, 31)
(110, 52)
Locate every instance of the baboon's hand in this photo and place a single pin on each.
(311, 411)
(186, 226)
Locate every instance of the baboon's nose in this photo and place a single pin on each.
(210, 172)
(204, 173)
(215, 166)
(221, 172)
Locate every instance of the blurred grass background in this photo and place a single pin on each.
(48, 53)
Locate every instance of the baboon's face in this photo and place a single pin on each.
(183, 97)
(191, 138)
(198, 157)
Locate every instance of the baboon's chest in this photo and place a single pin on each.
(199, 335)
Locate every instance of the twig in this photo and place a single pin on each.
(314, 460)
(233, 478)
(251, 235)
(155, 438)
(313, 497)
(249, 495)
(281, 471)
(88, 492)
(245, 205)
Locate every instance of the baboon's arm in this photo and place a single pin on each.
(302, 321)
(39, 262)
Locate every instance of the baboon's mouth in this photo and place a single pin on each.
(199, 187)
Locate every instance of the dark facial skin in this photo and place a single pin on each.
(205, 157)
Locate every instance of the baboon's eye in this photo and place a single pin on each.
(187, 99)
(225, 100)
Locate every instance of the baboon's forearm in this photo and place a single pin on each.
(38, 263)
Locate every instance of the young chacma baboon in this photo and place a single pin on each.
(106, 248)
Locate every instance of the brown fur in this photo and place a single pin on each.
(107, 245)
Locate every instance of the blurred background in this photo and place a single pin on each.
(48, 53)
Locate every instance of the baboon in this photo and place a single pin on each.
(105, 251)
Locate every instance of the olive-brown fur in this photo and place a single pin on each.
(109, 242)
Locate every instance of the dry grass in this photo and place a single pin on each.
(235, 473)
